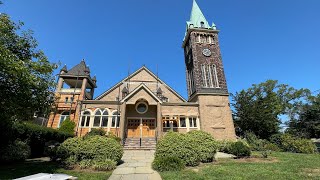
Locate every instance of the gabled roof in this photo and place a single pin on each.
(141, 86)
(133, 74)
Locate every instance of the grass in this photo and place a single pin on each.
(278, 165)
(22, 169)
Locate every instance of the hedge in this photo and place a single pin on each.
(36, 136)
(174, 144)
(92, 152)
(97, 148)
(206, 146)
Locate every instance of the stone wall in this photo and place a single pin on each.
(215, 116)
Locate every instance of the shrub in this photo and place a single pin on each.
(224, 146)
(70, 147)
(86, 163)
(206, 146)
(255, 143)
(239, 149)
(178, 145)
(93, 147)
(169, 163)
(296, 145)
(96, 132)
(101, 148)
(272, 147)
(111, 135)
(36, 136)
(70, 161)
(106, 165)
(67, 126)
(15, 151)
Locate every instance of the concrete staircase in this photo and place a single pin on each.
(134, 144)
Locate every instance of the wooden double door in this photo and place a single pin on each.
(141, 127)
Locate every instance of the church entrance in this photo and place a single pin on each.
(141, 127)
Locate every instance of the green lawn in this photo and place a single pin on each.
(28, 168)
(277, 166)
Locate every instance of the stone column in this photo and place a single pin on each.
(198, 123)
(159, 120)
(60, 84)
(187, 124)
(83, 88)
(122, 120)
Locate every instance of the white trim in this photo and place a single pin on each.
(137, 89)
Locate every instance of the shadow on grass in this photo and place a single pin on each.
(21, 169)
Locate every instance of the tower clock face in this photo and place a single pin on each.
(206, 52)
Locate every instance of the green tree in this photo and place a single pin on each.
(306, 122)
(67, 126)
(258, 108)
(26, 79)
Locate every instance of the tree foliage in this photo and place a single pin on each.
(306, 122)
(67, 126)
(258, 108)
(25, 72)
(26, 79)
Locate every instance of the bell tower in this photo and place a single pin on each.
(206, 81)
(204, 68)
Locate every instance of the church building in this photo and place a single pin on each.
(142, 105)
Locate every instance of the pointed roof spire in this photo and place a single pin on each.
(197, 19)
(94, 78)
(64, 69)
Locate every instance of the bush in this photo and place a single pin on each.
(67, 126)
(255, 143)
(15, 151)
(70, 161)
(239, 149)
(178, 145)
(272, 147)
(106, 165)
(70, 147)
(168, 163)
(36, 136)
(86, 163)
(224, 146)
(296, 145)
(97, 148)
(206, 146)
(96, 132)
(111, 135)
(101, 148)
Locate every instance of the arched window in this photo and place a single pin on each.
(97, 119)
(64, 115)
(115, 119)
(85, 120)
(105, 117)
(209, 76)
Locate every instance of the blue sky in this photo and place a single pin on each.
(260, 40)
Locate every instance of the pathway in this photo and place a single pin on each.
(136, 165)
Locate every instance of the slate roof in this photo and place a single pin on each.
(80, 69)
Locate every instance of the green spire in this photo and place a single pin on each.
(197, 19)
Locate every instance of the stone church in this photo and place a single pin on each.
(142, 105)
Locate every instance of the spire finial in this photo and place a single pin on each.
(197, 19)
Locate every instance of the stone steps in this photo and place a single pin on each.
(134, 144)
